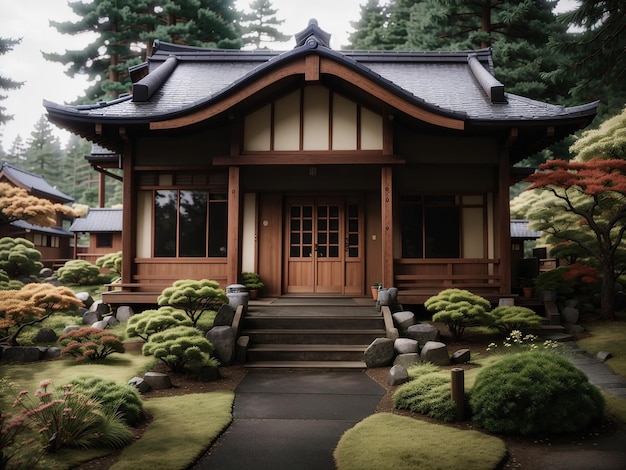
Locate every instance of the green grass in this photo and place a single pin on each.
(385, 440)
(182, 430)
(610, 337)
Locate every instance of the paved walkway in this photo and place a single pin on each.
(292, 419)
(597, 371)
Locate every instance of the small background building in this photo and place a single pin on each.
(104, 227)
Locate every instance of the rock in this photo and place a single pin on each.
(393, 294)
(69, 328)
(397, 375)
(208, 374)
(89, 317)
(52, 352)
(405, 346)
(403, 320)
(46, 272)
(603, 355)
(100, 308)
(111, 320)
(423, 332)
(435, 353)
(383, 297)
(46, 335)
(241, 349)
(101, 325)
(379, 353)
(462, 356)
(157, 380)
(570, 315)
(123, 313)
(140, 384)
(22, 354)
(223, 340)
(52, 280)
(506, 302)
(225, 316)
(406, 360)
(85, 298)
(574, 329)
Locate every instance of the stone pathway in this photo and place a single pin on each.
(597, 371)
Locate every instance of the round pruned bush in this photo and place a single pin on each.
(428, 393)
(90, 343)
(112, 262)
(115, 398)
(194, 297)
(514, 317)
(153, 321)
(534, 393)
(79, 272)
(19, 257)
(179, 348)
(458, 309)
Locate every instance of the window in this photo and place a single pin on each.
(104, 240)
(190, 223)
(430, 227)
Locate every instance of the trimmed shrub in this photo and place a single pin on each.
(19, 257)
(511, 318)
(534, 393)
(458, 309)
(115, 398)
(6, 283)
(193, 297)
(79, 272)
(90, 344)
(112, 262)
(180, 347)
(428, 394)
(153, 321)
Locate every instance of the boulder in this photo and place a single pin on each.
(52, 353)
(405, 346)
(241, 349)
(405, 360)
(157, 380)
(100, 308)
(85, 298)
(379, 353)
(69, 328)
(397, 375)
(123, 313)
(225, 316)
(140, 384)
(574, 329)
(89, 317)
(111, 320)
(53, 280)
(403, 320)
(462, 356)
(223, 340)
(46, 335)
(423, 332)
(604, 355)
(435, 353)
(46, 272)
(22, 354)
(101, 325)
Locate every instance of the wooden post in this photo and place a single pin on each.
(457, 378)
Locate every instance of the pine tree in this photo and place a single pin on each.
(17, 153)
(125, 26)
(6, 45)
(368, 29)
(44, 154)
(260, 25)
(79, 174)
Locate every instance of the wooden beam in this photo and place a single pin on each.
(294, 158)
(386, 191)
(101, 189)
(128, 218)
(233, 226)
(504, 217)
(312, 68)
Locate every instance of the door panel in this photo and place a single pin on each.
(323, 248)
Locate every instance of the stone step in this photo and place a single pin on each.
(325, 365)
(258, 321)
(306, 352)
(310, 336)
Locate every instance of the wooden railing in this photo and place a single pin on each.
(417, 279)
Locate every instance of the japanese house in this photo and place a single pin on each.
(54, 243)
(324, 171)
(104, 228)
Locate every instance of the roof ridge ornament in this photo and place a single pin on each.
(312, 36)
(490, 84)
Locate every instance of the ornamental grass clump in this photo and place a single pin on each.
(458, 309)
(150, 322)
(534, 393)
(193, 297)
(67, 418)
(511, 318)
(90, 343)
(114, 397)
(179, 348)
(428, 393)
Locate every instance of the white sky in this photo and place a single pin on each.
(28, 19)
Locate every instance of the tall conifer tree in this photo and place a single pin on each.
(260, 25)
(6, 83)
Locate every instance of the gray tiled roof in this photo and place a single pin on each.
(519, 229)
(34, 183)
(99, 220)
(21, 224)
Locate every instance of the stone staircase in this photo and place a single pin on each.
(302, 335)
